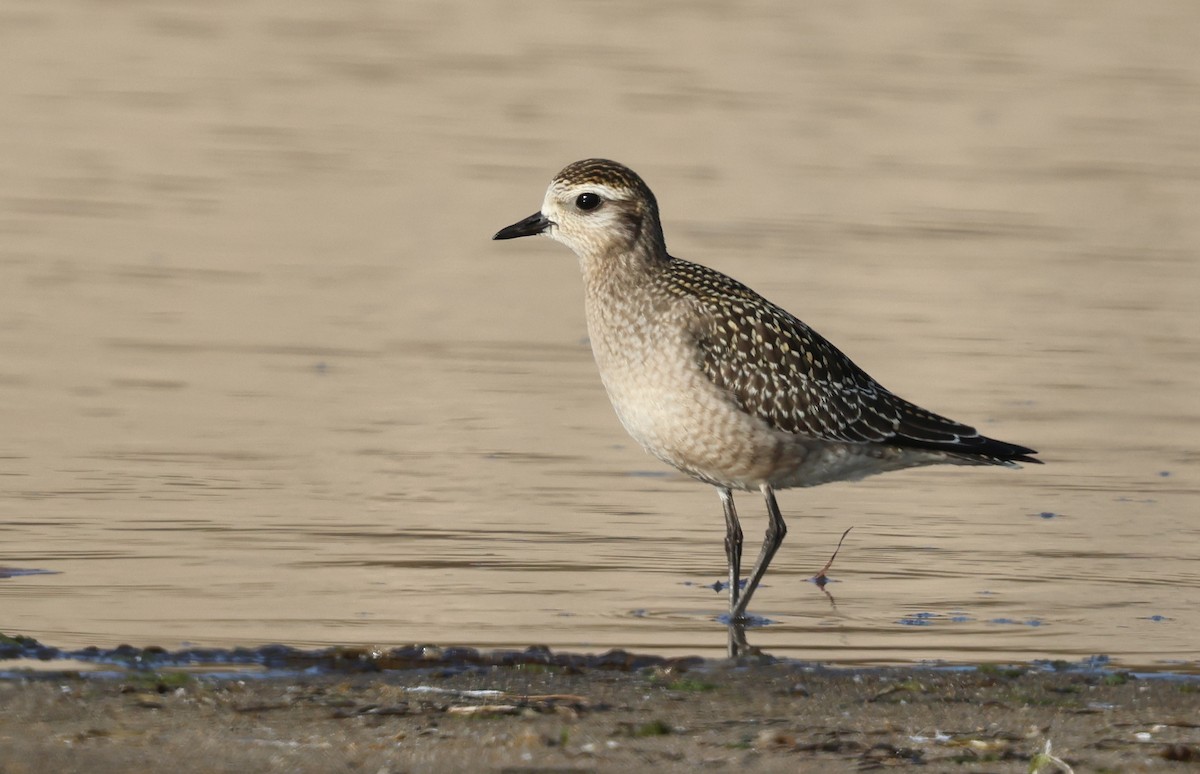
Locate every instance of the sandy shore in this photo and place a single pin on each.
(681, 717)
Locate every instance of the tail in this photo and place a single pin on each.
(976, 450)
(993, 452)
(921, 429)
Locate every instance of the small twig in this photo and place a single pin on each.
(1046, 758)
(820, 578)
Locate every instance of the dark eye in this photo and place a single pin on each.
(588, 201)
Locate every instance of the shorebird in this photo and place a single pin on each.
(712, 378)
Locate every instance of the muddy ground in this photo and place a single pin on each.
(674, 717)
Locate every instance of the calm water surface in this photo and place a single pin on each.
(264, 378)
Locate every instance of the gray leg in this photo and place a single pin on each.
(733, 546)
(776, 531)
(733, 555)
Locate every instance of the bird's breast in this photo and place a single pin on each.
(649, 364)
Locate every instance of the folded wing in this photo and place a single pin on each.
(775, 367)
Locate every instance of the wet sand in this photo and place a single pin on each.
(717, 716)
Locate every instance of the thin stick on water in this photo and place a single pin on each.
(821, 578)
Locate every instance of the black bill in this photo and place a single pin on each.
(534, 224)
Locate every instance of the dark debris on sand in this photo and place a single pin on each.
(428, 709)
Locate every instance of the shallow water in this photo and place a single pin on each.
(264, 378)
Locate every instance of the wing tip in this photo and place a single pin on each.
(979, 449)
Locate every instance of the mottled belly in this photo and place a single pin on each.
(698, 431)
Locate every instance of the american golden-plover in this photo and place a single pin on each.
(712, 378)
